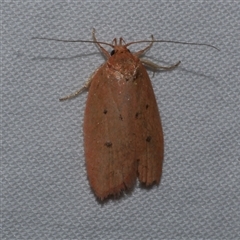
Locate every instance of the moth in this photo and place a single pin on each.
(123, 136)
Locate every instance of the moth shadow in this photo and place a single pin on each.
(117, 197)
(40, 58)
(125, 193)
(148, 187)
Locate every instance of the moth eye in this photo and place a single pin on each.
(112, 52)
(128, 50)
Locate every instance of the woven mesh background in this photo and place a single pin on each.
(45, 191)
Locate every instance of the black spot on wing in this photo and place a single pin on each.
(148, 139)
(108, 144)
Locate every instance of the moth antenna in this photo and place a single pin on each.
(83, 41)
(170, 41)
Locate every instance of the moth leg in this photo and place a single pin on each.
(141, 52)
(156, 67)
(73, 94)
(85, 87)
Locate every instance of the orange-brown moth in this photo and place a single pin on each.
(123, 136)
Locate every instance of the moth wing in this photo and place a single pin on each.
(149, 133)
(108, 138)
